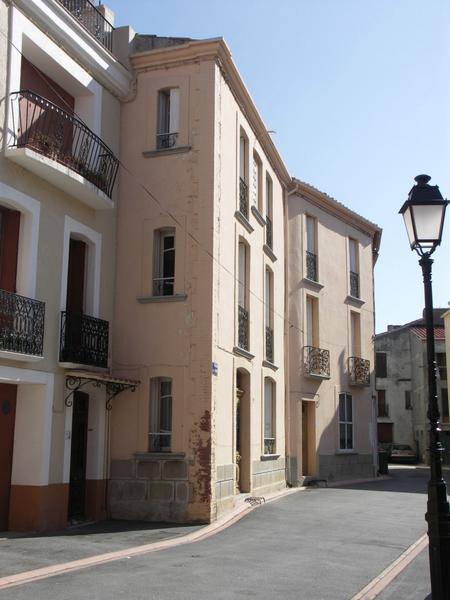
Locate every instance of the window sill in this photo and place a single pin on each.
(152, 299)
(346, 452)
(146, 456)
(354, 301)
(269, 365)
(166, 151)
(316, 376)
(311, 284)
(18, 356)
(243, 221)
(258, 216)
(270, 456)
(244, 353)
(269, 253)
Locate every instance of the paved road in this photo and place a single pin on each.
(312, 545)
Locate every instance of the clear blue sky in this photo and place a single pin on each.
(358, 92)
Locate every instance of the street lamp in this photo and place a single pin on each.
(424, 213)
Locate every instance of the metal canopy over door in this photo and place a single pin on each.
(78, 455)
(8, 395)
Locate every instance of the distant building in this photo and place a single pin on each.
(331, 417)
(402, 384)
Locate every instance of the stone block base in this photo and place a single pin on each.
(339, 467)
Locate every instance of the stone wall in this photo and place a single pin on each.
(336, 467)
(150, 487)
(268, 475)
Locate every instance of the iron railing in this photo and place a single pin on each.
(58, 134)
(243, 327)
(354, 284)
(21, 324)
(269, 232)
(317, 361)
(311, 266)
(92, 19)
(166, 140)
(269, 445)
(159, 442)
(359, 370)
(269, 344)
(243, 198)
(84, 340)
(163, 286)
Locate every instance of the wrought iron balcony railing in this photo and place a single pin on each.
(317, 362)
(311, 266)
(57, 134)
(84, 340)
(21, 324)
(354, 284)
(269, 445)
(163, 286)
(166, 140)
(269, 232)
(243, 198)
(243, 327)
(92, 20)
(269, 344)
(359, 370)
(159, 442)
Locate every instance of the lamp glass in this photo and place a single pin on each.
(409, 227)
(427, 219)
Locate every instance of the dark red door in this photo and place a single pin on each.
(9, 245)
(75, 280)
(7, 419)
(78, 453)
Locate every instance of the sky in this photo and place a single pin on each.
(358, 93)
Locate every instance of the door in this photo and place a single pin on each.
(7, 420)
(78, 455)
(305, 457)
(73, 332)
(9, 244)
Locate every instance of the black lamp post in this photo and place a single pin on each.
(424, 213)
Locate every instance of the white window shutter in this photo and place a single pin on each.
(174, 110)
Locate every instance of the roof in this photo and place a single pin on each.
(419, 325)
(421, 332)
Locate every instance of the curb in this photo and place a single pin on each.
(222, 523)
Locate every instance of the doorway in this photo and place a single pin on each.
(308, 438)
(78, 456)
(8, 394)
(242, 432)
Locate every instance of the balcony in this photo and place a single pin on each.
(243, 198)
(21, 325)
(269, 232)
(354, 284)
(84, 340)
(243, 327)
(92, 19)
(359, 371)
(55, 145)
(269, 344)
(317, 362)
(311, 266)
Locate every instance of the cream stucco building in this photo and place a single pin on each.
(60, 138)
(331, 411)
(200, 293)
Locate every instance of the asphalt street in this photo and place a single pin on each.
(325, 543)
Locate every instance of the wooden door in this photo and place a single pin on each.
(305, 444)
(78, 455)
(9, 246)
(8, 395)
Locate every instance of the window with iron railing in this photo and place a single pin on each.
(269, 416)
(168, 118)
(164, 262)
(160, 434)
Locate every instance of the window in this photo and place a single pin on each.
(243, 316)
(312, 333)
(243, 175)
(408, 404)
(269, 315)
(381, 364)
(168, 111)
(354, 268)
(269, 417)
(269, 212)
(383, 410)
(311, 250)
(164, 264)
(441, 362)
(345, 421)
(355, 334)
(257, 183)
(160, 430)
